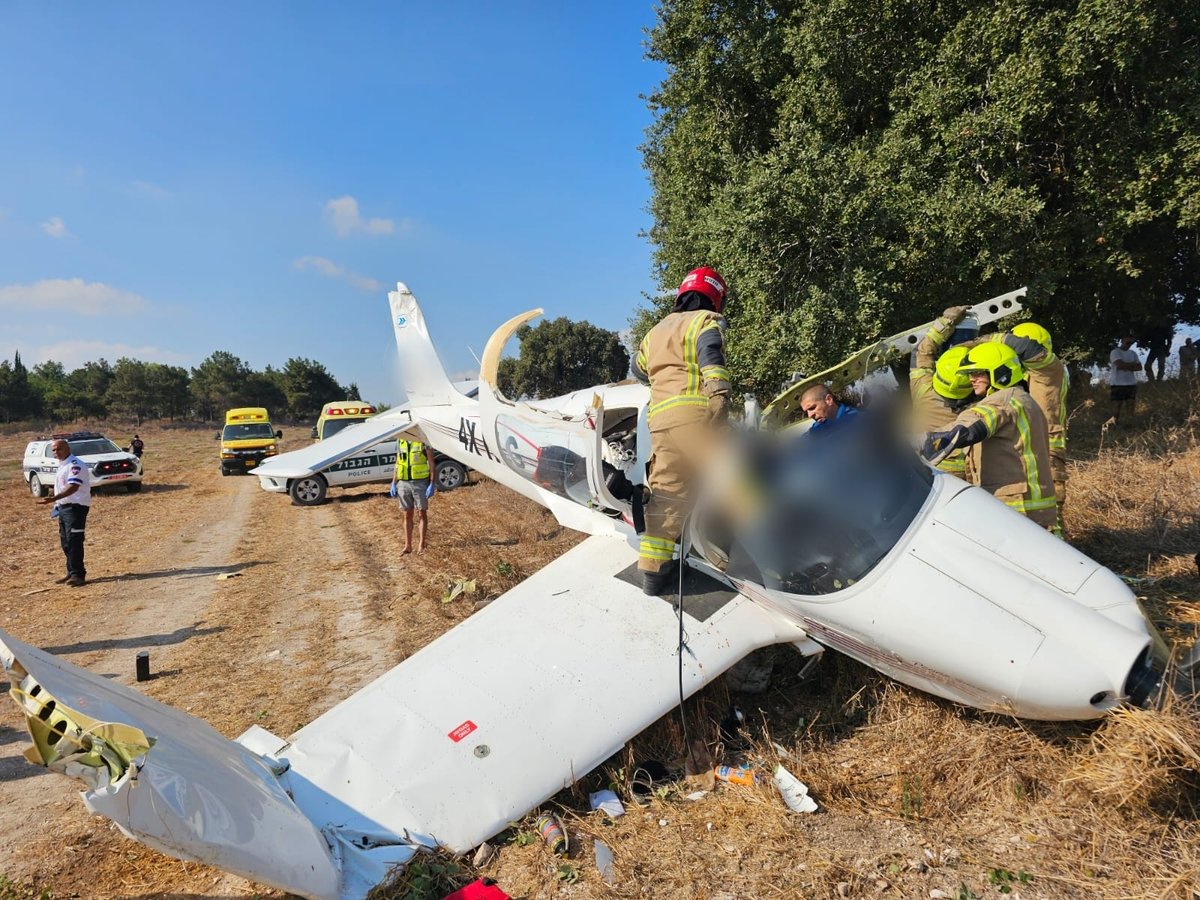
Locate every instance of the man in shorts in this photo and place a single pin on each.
(1122, 378)
(413, 486)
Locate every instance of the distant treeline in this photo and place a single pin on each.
(147, 390)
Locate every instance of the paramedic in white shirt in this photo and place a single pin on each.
(72, 498)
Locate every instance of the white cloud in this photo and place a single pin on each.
(345, 218)
(55, 227)
(153, 191)
(73, 354)
(330, 269)
(58, 295)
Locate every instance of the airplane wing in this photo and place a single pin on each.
(470, 733)
(354, 439)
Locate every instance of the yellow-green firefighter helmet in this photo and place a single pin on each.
(1035, 332)
(999, 361)
(948, 381)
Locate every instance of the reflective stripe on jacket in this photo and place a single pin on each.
(930, 410)
(1013, 462)
(1047, 377)
(411, 462)
(683, 359)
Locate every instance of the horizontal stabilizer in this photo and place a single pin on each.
(350, 440)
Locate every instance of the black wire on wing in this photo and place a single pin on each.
(682, 645)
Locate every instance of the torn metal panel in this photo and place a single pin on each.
(189, 792)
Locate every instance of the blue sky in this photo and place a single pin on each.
(182, 178)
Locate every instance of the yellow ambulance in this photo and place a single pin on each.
(247, 439)
(337, 415)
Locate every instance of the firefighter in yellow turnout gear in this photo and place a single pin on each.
(938, 389)
(682, 358)
(1006, 432)
(1046, 376)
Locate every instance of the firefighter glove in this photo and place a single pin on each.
(718, 408)
(938, 444)
(955, 313)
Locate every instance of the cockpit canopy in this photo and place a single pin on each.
(825, 507)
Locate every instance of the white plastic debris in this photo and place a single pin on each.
(608, 802)
(794, 791)
(604, 862)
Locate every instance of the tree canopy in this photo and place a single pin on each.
(558, 356)
(149, 390)
(853, 166)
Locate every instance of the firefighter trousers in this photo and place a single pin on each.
(678, 456)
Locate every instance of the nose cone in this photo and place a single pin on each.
(1062, 683)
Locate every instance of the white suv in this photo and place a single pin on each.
(107, 463)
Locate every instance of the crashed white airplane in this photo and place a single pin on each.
(865, 550)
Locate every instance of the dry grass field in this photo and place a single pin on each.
(919, 798)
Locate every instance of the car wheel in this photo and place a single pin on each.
(133, 487)
(224, 471)
(36, 488)
(449, 475)
(307, 491)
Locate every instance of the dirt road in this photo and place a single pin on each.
(318, 603)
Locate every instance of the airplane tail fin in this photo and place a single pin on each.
(424, 376)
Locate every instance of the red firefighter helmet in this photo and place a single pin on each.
(707, 281)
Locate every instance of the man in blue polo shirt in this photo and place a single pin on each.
(72, 498)
(819, 405)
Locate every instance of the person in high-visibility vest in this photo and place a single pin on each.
(412, 483)
(939, 391)
(1046, 376)
(1009, 454)
(682, 358)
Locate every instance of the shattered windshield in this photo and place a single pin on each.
(830, 508)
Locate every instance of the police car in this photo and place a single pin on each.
(108, 465)
(374, 465)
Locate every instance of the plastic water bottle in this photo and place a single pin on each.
(736, 775)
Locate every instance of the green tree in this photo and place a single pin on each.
(265, 388)
(169, 390)
(19, 400)
(853, 166)
(219, 383)
(49, 381)
(86, 388)
(308, 386)
(130, 394)
(559, 356)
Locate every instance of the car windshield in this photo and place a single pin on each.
(92, 446)
(833, 506)
(333, 426)
(248, 432)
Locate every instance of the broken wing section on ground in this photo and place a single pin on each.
(307, 460)
(165, 778)
(470, 733)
